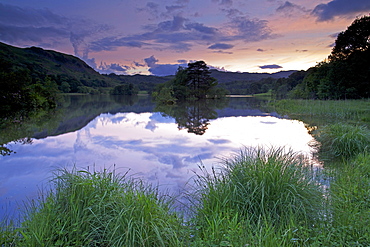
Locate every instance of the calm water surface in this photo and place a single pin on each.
(162, 145)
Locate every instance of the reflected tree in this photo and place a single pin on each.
(193, 115)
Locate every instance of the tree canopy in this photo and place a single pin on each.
(355, 39)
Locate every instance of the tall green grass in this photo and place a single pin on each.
(259, 198)
(343, 140)
(324, 112)
(100, 209)
(350, 203)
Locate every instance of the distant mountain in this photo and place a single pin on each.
(223, 77)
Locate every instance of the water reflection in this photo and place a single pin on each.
(193, 115)
(153, 145)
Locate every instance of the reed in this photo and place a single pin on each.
(100, 209)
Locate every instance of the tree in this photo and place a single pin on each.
(355, 39)
(194, 82)
(124, 89)
(199, 79)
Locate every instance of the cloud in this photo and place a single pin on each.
(260, 50)
(162, 69)
(27, 25)
(180, 34)
(223, 52)
(173, 8)
(249, 30)
(41, 27)
(326, 12)
(151, 61)
(220, 46)
(230, 12)
(175, 34)
(270, 66)
(115, 68)
(224, 2)
(288, 7)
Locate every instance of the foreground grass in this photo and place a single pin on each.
(259, 198)
(99, 209)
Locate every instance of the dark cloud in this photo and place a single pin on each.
(223, 52)
(41, 27)
(260, 50)
(163, 69)
(270, 66)
(220, 46)
(173, 8)
(301, 50)
(173, 34)
(288, 7)
(151, 7)
(249, 30)
(231, 13)
(326, 12)
(31, 26)
(116, 68)
(182, 61)
(151, 61)
(223, 2)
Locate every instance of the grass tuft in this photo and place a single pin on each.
(261, 193)
(344, 140)
(100, 209)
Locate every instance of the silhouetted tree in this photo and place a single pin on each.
(355, 39)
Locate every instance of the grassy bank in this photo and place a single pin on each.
(342, 128)
(322, 112)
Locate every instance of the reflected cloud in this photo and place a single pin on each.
(219, 141)
(267, 122)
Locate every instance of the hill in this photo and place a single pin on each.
(224, 77)
(40, 63)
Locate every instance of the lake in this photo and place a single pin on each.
(163, 145)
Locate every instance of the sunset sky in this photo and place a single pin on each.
(155, 37)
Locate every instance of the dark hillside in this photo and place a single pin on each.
(40, 63)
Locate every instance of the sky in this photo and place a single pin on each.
(156, 37)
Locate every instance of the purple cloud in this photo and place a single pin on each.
(289, 7)
(326, 12)
(270, 66)
(220, 46)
